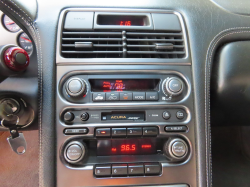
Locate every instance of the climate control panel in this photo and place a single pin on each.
(85, 88)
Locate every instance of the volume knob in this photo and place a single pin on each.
(76, 87)
(176, 149)
(75, 151)
(172, 86)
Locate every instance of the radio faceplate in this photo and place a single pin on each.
(172, 134)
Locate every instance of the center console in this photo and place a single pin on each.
(124, 106)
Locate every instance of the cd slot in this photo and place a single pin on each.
(128, 116)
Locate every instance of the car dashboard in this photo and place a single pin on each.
(124, 93)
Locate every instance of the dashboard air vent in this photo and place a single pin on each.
(122, 44)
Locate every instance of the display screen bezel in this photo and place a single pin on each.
(123, 20)
(97, 85)
(106, 147)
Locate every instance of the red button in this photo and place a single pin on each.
(16, 59)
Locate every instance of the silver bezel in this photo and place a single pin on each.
(91, 61)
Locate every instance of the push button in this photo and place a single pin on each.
(103, 170)
(74, 152)
(76, 131)
(152, 168)
(181, 128)
(112, 96)
(152, 96)
(175, 85)
(179, 149)
(138, 96)
(135, 131)
(119, 132)
(102, 132)
(135, 169)
(166, 115)
(125, 96)
(68, 116)
(180, 114)
(119, 169)
(98, 96)
(150, 131)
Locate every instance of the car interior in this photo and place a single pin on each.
(125, 93)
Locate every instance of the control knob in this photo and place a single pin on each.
(75, 151)
(14, 58)
(172, 86)
(175, 149)
(76, 87)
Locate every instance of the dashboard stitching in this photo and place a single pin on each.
(213, 44)
(22, 11)
(33, 30)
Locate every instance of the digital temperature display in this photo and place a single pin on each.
(126, 147)
(99, 85)
(122, 20)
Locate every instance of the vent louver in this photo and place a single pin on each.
(122, 44)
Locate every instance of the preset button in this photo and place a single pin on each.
(135, 169)
(119, 132)
(103, 170)
(135, 131)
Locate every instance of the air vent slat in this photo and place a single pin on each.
(122, 44)
(155, 40)
(92, 33)
(92, 39)
(153, 52)
(152, 34)
(76, 52)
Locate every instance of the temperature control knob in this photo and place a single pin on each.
(76, 87)
(172, 86)
(175, 149)
(75, 151)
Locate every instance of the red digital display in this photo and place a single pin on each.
(107, 85)
(126, 147)
(125, 23)
(120, 20)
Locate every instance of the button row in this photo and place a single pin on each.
(119, 170)
(179, 115)
(126, 96)
(123, 132)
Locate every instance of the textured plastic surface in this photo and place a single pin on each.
(169, 22)
(79, 20)
(230, 85)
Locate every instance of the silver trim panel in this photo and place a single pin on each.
(76, 61)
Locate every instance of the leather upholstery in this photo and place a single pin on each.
(204, 20)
